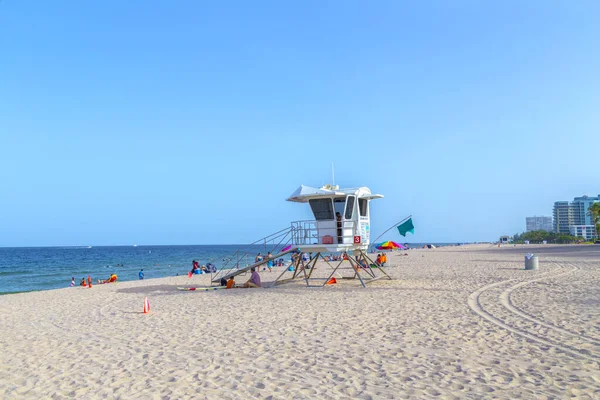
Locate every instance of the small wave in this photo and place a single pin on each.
(12, 273)
(20, 291)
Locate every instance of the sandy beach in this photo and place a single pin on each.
(454, 323)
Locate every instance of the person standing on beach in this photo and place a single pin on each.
(295, 259)
(72, 281)
(141, 274)
(270, 262)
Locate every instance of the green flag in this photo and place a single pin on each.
(406, 227)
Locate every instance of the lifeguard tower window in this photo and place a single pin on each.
(322, 209)
(362, 205)
(349, 207)
(339, 203)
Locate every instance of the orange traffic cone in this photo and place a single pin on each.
(146, 306)
(331, 281)
(89, 281)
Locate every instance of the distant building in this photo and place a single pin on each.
(536, 223)
(504, 239)
(586, 231)
(574, 214)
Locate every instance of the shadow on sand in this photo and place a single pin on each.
(162, 290)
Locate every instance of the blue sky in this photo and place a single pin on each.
(190, 122)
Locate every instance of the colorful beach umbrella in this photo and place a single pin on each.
(390, 245)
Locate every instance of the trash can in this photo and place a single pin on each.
(531, 262)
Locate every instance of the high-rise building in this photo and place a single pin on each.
(580, 209)
(575, 214)
(536, 223)
(563, 217)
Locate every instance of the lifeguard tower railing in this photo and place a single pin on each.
(244, 256)
(300, 233)
(308, 232)
(304, 236)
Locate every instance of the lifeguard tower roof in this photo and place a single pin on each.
(305, 193)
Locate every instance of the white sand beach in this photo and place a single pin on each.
(454, 323)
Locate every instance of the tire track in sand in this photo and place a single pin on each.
(475, 304)
(507, 303)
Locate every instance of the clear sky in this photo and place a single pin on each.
(190, 122)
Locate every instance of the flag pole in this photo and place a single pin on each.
(392, 227)
(332, 175)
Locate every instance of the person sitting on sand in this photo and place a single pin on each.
(113, 278)
(82, 283)
(254, 281)
(195, 267)
(383, 260)
(230, 283)
(362, 262)
(72, 281)
(378, 260)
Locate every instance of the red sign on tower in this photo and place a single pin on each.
(356, 239)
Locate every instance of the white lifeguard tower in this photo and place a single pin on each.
(341, 225)
(342, 219)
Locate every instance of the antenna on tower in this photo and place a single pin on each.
(332, 175)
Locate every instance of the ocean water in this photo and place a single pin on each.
(41, 268)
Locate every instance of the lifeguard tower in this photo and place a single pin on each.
(342, 220)
(341, 225)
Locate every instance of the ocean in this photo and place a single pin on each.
(25, 269)
(41, 268)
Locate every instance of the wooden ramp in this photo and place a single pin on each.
(249, 267)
